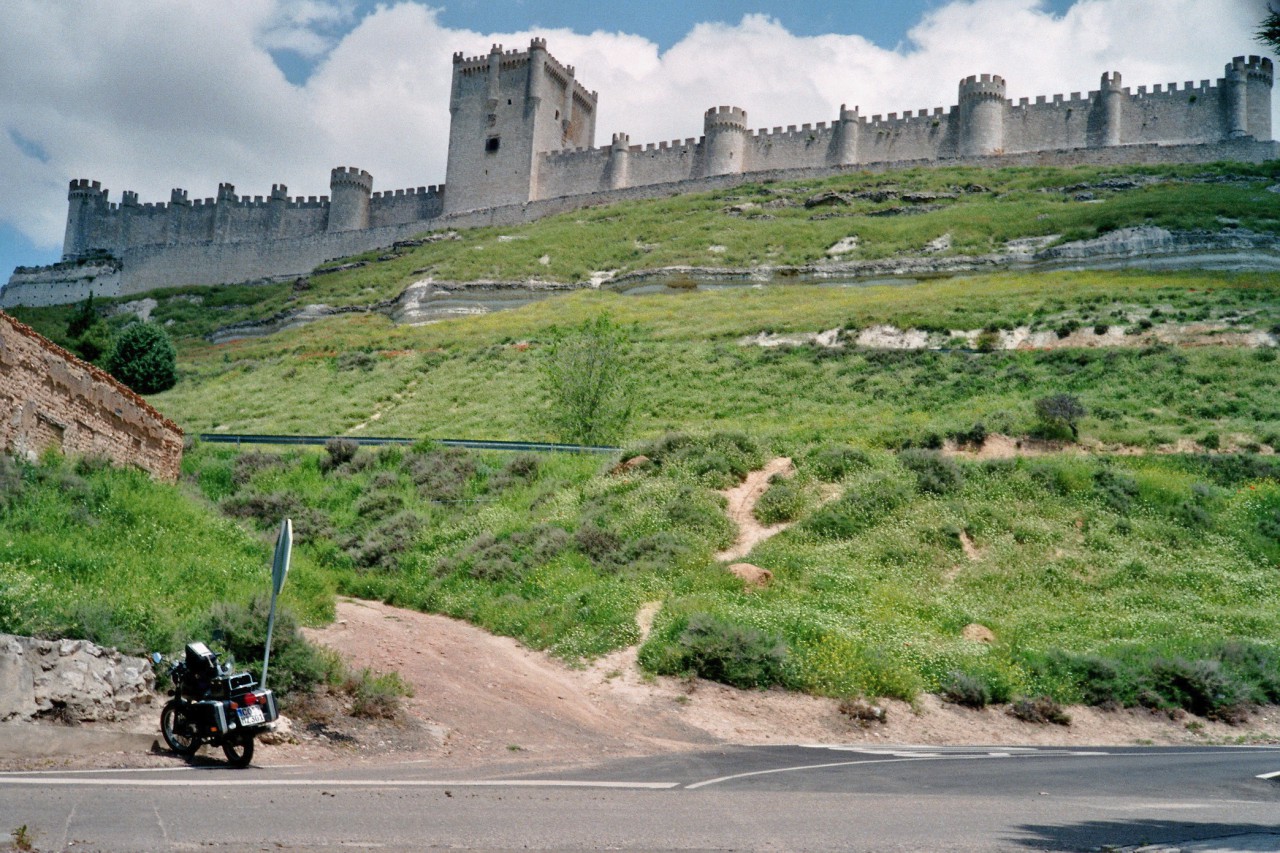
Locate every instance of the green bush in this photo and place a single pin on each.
(783, 501)
(858, 509)
(143, 357)
(833, 462)
(240, 630)
(719, 650)
(1041, 709)
(376, 696)
(719, 460)
(963, 688)
(935, 473)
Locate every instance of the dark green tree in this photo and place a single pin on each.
(82, 318)
(143, 357)
(588, 381)
(1269, 30)
(1061, 411)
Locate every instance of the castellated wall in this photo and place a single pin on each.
(51, 400)
(521, 145)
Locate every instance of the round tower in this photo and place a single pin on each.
(982, 106)
(1236, 91)
(85, 201)
(620, 162)
(726, 140)
(1261, 77)
(847, 132)
(1113, 98)
(349, 191)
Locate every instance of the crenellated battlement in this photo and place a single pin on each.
(982, 87)
(85, 187)
(733, 118)
(522, 140)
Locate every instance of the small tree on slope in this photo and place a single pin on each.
(143, 358)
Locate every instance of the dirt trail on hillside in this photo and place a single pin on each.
(742, 500)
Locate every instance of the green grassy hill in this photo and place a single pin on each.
(1133, 573)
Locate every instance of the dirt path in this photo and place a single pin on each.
(742, 504)
(488, 699)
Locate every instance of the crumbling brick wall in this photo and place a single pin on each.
(49, 399)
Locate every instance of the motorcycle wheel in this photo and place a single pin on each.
(178, 729)
(238, 748)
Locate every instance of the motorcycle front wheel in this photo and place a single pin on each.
(238, 747)
(178, 729)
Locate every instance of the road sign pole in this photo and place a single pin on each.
(279, 569)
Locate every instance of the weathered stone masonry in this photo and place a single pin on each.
(520, 146)
(49, 399)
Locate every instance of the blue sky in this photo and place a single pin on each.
(146, 95)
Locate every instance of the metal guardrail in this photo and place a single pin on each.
(372, 441)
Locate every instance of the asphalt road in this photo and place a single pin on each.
(760, 798)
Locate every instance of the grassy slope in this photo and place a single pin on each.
(1180, 557)
(111, 556)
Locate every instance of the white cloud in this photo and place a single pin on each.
(153, 94)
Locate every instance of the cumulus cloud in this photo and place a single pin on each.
(153, 94)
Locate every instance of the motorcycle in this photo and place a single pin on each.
(213, 705)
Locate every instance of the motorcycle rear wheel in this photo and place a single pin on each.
(178, 729)
(238, 748)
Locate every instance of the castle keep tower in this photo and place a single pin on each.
(726, 140)
(86, 204)
(847, 131)
(1246, 90)
(1113, 96)
(982, 106)
(349, 192)
(507, 108)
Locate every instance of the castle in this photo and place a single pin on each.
(521, 146)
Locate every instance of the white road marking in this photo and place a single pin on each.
(1269, 776)
(803, 767)
(331, 783)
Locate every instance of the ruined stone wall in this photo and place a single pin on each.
(49, 399)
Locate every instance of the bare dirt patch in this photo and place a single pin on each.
(742, 500)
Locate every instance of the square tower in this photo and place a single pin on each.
(507, 108)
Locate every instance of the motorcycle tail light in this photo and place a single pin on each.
(250, 699)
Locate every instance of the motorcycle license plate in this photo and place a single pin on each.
(251, 716)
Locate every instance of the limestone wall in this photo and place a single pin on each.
(49, 399)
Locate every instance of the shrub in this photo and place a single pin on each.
(1042, 709)
(588, 381)
(833, 462)
(268, 510)
(249, 464)
(356, 360)
(857, 509)
(240, 630)
(520, 470)
(782, 501)
(338, 452)
(442, 475)
(1060, 411)
(733, 654)
(962, 688)
(143, 357)
(718, 461)
(376, 696)
(597, 544)
(1201, 687)
(862, 712)
(934, 472)
(382, 547)
(975, 436)
(1117, 488)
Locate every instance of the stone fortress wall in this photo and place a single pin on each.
(520, 146)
